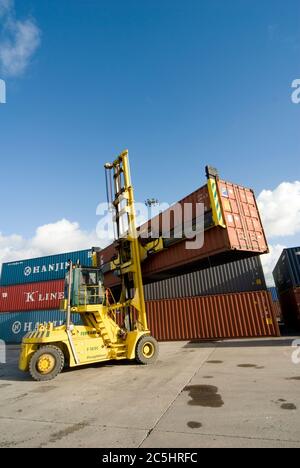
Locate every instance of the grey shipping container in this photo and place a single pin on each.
(240, 276)
(287, 270)
(15, 325)
(35, 270)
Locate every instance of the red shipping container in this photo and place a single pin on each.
(242, 237)
(241, 315)
(33, 296)
(224, 316)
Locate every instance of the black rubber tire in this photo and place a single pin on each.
(140, 357)
(56, 353)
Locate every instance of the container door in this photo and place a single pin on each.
(242, 218)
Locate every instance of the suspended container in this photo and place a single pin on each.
(233, 231)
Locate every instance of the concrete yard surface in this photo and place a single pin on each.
(243, 393)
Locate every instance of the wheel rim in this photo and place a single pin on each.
(148, 350)
(46, 364)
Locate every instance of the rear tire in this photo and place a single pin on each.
(146, 351)
(46, 363)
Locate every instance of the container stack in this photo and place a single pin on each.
(214, 289)
(31, 291)
(226, 301)
(287, 279)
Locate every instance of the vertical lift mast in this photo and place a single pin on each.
(127, 244)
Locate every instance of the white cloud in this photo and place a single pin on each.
(19, 40)
(269, 261)
(280, 213)
(280, 209)
(5, 7)
(62, 236)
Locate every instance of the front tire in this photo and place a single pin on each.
(146, 351)
(46, 363)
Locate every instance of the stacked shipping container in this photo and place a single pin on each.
(240, 276)
(14, 325)
(41, 269)
(221, 292)
(226, 301)
(287, 279)
(237, 315)
(215, 290)
(31, 296)
(31, 290)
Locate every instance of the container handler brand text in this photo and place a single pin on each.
(36, 296)
(18, 327)
(53, 267)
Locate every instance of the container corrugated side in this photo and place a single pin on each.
(37, 296)
(278, 311)
(240, 276)
(294, 260)
(243, 315)
(287, 270)
(15, 325)
(48, 268)
(290, 306)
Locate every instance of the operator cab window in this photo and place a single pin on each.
(93, 286)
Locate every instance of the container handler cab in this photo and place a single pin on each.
(48, 349)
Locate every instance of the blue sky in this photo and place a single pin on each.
(180, 84)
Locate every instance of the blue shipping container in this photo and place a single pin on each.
(287, 270)
(14, 325)
(41, 269)
(274, 293)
